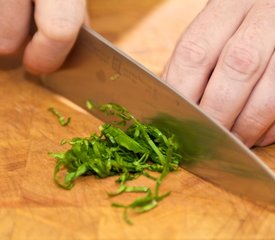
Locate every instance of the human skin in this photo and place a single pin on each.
(225, 62)
(57, 21)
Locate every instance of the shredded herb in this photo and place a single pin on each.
(89, 104)
(126, 148)
(61, 119)
(114, 77)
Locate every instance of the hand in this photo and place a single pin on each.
(225, 62)
(57, 21)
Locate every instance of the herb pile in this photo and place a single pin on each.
(126, 148)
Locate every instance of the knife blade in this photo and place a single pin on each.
(97, 70)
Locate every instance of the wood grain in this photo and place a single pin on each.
(32, 207)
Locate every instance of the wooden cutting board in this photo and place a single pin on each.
(33, 207)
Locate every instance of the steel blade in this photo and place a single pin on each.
(99, 71)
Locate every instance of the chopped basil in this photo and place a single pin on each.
(126, 148)
(63, 122)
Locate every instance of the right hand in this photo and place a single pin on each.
(58, 23)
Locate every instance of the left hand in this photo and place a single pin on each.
(225, 62)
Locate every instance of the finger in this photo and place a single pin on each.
(240, 66)
(198, 49)
(58, 23)
(87, 21)
(14, 24)
(259, 112)
(268, 138)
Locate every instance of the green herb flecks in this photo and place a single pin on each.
(128, 154)
(90, 104)
(61, 119)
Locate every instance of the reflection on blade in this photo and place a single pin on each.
(97, 70)
(215, 157)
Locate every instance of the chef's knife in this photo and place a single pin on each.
(99, 71)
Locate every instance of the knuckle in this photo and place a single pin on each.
(241, 62)
(62, 29)
(191, 54)
(270, 4)
(255, 123)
